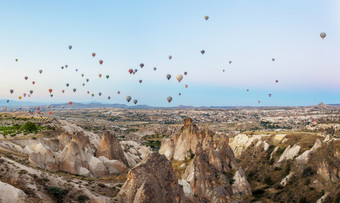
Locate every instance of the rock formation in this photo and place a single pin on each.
(152, 181)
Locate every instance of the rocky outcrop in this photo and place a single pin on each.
(43, 158)
(8, 193)
(289, 153)
(303, 158)
(134, 152)
(151, 181)
(110, 148)
(213, 173)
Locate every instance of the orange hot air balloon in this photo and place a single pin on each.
(70, 103)
(50, 90)
(93, 54)
(186, 86)
(100, 62)
(100, 75)
(20, 97)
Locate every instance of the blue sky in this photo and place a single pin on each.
(126, 33)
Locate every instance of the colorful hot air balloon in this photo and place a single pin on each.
(7, 101)
(20, 97)
(31, 91)
(247, 90)
(206, 17)
(107, 76)
(223, 70)
(258, 101)
(83, 84)
(33, 82)
(67, 84)
(50, 112)
(118, 92)
(51, 95)
(76, 70)
(168, 76)
(16, 60)
(170, 57)
(179, 77)
(88, 92)
(169, 99)
(40, 71)
(93, 54)
(26, 77)
(62, 67)
(135, 101)
(70, 103)
(50, 90)
(24, 94)
(62, 91)
(141, 65)
(87, 80)
(101, 62)
(202, 52)
(185, 73)
(186, 86)
(322, 35)
(130, 71)
(270, 95)
(140, 81)
(100, 75)
(128, 98)
(276, 81)
(92, 95)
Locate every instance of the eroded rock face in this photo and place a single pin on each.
(110, 148)
(213, 173)
(43, 158)
(152, 181)
(8, 193)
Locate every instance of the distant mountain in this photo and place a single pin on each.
(12, 103)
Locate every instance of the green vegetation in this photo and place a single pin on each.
(15, 129)
(56, 193)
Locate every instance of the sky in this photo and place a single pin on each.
(126, 33)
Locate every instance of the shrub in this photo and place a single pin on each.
(258, 193)
(307, 181)
(30, 127)
(82, 198)
(268, 181)
(307, 172)
(56, 193)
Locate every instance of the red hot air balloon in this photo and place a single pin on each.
(118, 92)
(62, 91)
(50, 113)
(101, 62)
(130, 71)
(276, 81)
(93, 54)
(169, 99)
(100, 75)
(140, 81)
(70, 103)
(26, 77)
(186, 86)
(50, 90)
(33, 82)
(185, 73)
(258, 101)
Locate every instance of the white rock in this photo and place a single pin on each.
(265, 146)
(84, 172)
(187, 189)
(289, 153)
(97, 168)
(10, 194)
(285, 180)
(303, 158)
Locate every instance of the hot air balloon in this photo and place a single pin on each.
(100, 94)
(185, 73)
(82, 75)
(33, 82)
(100, 75)
(101, 62)
(247, 90)
(154, 68)
(88, 92)
(7, 101)
(62, 91)
(70, 103)
(169, 99)
(128, 98)
(74, 89)
(51, 95)
(168, 76)
(11, 91)
(26, 77)
(136, 70)
(76, 70)
(170, 57)
(179, 77)
(323, 35)
(202, 52)
(70, 47)
(118, 92)
(24, 94)
(67, 84)
(109, 97)
(130, 71)
(16, 60)
(92, 95)
(230, 62)
(87, 80)
(40, 71)
(29, 95)
(273, 59)
(31, 91)
(276, 81)
(50, 90)
(206, 17)
(223, 70)
(270, 95)
(140, 81)
(62, 67)
(179, 94)
(93, 54)
(186, 86)
(141, 65)
(83, 84)
(107, 76)
(38, 109)
(258, 101)
(50, 113)
(20, 97)
(135, 101)
(66, 66)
